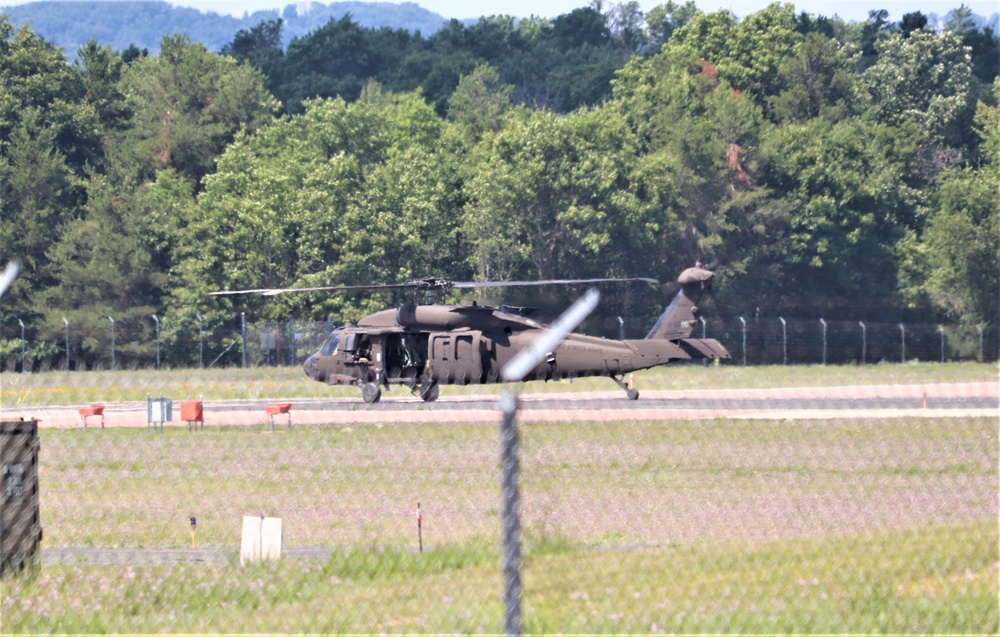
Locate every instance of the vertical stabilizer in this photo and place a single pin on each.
(678, 320)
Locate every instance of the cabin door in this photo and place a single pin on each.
(455, 357)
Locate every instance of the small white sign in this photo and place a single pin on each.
(261, 539)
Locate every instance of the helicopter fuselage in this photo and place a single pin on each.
(424, 346)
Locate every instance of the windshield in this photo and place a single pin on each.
(330, 346)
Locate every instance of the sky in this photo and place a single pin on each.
(856, 10)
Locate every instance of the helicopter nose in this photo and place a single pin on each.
(311, 369)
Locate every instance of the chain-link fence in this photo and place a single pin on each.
(145, 343)
(823, 507)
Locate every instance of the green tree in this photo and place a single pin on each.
(955, 263)
(924, 79)
(480, 102)
(261, 48)
(663, 19)
(815, 82)
(853, 198)
(344, 193)
(188, 106)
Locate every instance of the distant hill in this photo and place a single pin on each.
(70, 24)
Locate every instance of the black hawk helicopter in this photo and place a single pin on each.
(424, 346)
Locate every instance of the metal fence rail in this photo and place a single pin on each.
(142, 343)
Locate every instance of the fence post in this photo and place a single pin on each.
(112, 342)
(157, 320)
(24, 351)
(514, 372)
(67, 342)
(978, 327)
(864, 342)
(510, 543)
(744, 322)
(201, 343)
(902, 331)
(784, 342)
(243, 333)
(941, 330)
(823, 322)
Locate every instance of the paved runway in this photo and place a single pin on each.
(399, 406)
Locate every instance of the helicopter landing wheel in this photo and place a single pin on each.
(371, 392)
(430, 393)
(633, 394)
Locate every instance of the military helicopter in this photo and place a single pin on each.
(425, 346)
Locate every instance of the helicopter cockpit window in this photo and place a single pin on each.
(330, 346)
(350, 342)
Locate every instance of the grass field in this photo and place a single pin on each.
(69, 388)
(848, 525)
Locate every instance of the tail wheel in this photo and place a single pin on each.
(430, 393)
(633, 394)
(371, 392)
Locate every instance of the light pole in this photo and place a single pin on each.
(864, 342)
(67, 342)
(784, 342)
(157, 320)
(902, 332)
(112, 342)
(823, 323)
(941, 330)
(744, 322)
(23, 350)
(201, 343)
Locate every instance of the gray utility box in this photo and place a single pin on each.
(20, 528)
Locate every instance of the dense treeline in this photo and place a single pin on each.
(70, 24)
(832, 169)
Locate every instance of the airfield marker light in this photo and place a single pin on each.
(194, 528)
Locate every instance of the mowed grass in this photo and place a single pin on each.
(71, 388)
(938, 579)
(848, 525)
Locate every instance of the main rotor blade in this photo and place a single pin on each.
(430, 283)
(506, 284)
(326, 288)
